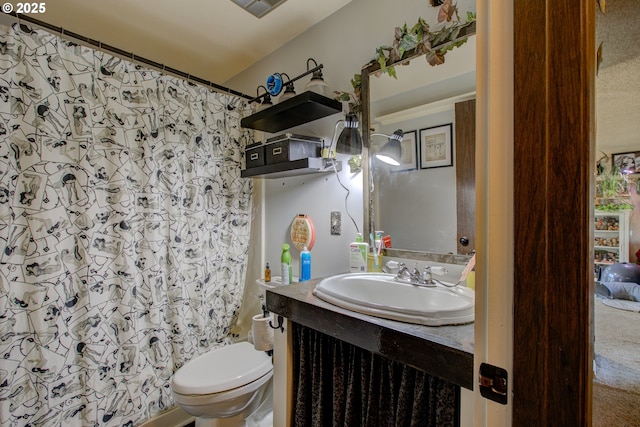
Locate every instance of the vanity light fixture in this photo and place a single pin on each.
(276, 82)
(258, 8)
(266, 98)
(317, 83)
(289, 89)
(391, 152)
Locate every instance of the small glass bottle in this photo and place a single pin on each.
(267, 273)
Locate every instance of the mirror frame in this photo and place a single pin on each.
(367, 70)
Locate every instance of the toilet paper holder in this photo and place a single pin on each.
(280, 324)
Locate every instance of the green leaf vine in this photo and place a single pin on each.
(409, 42)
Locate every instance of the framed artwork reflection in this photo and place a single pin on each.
(627, 162)
(436, 146)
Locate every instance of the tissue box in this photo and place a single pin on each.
(288, 147)
(254, 155)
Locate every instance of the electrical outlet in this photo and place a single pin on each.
(336, 223)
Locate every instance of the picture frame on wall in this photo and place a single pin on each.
(626, 162)
(436, 146)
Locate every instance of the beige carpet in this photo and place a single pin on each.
(616, 385)
(614, 407)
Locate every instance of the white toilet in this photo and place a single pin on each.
(225, 386)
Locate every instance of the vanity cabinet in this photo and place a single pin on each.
(298, 110)
(611, 236)
(445, 352)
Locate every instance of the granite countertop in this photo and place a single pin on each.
(442, 351)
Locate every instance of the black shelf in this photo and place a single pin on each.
(293, 168)
(303, 108)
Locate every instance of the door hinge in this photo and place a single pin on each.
(493, 383)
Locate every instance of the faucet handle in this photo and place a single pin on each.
(403, 272)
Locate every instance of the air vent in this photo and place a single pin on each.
(258, 8)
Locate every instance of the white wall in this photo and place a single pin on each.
(317, 196)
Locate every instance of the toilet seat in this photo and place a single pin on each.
(224, 397)
(222, 369)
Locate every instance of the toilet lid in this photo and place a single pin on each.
(222, 369)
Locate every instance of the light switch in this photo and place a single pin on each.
(336, 223)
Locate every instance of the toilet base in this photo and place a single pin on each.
(266, 420)
(237, 421)
(261, 417)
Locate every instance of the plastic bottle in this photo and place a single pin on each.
(305, 265)
(358, 255)
(285, 261)
(471, 280)
(267, 273)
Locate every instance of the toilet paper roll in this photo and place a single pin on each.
(262, 332)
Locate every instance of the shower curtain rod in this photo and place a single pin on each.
(125, 54)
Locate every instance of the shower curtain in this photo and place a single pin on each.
(124, 229)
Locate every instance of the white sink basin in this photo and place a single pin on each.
(378, 294)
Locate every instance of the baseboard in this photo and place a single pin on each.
(174, 417)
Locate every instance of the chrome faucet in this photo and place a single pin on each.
(415, 277)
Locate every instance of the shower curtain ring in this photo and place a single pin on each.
(279, 325)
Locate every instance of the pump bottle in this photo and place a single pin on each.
(358, 255)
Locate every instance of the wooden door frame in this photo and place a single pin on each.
(554, 138)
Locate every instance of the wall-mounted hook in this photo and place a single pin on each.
(280, 324)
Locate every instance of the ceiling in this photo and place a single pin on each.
(210, 39)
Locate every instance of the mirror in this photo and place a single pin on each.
(418, 202)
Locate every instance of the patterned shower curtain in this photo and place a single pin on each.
(124, 230)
